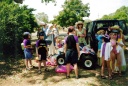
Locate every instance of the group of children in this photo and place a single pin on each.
(41, 50)
(110, 48)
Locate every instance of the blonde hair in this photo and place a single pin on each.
(58, 40)
(100, 32)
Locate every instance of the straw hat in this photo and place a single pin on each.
(79, 22)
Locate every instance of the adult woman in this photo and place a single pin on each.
(50, 36)
(71, 51)
(45, 30)
(56, 33)
(81, 33)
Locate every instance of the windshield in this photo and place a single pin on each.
(123, 27)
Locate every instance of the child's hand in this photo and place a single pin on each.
(126, 48)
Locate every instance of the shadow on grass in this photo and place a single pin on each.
(10, 66)
(116, 81)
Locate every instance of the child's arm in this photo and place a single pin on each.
(37, 48)
(46, 48)
(126, 48)
(36, 51)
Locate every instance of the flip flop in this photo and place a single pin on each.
(103, 77)
(110, 77)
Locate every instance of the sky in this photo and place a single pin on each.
(98, 8)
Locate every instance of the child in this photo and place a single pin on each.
(100, 34)
(105, 57)
(59, 45)
(41, 51)
(27, 49)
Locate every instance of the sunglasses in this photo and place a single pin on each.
(80, 24)
(114, 34)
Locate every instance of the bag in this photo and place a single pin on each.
(22, 46)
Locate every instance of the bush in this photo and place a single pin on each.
(14, 21)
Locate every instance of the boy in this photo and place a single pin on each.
(41, 51)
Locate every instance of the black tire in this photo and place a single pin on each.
(88, 62)
(61, 59)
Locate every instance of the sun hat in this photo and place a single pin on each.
(79, 22)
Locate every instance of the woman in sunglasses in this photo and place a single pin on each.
(81, 33)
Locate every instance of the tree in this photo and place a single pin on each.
(73, 11)
(121, 14)
(14, 21)
(42, 17)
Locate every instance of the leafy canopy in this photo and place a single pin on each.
(14, 21)
(121, 14)
(73, 11)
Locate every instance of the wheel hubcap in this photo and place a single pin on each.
(61, 61)
(88, 63)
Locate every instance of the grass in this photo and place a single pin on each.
(12, 72)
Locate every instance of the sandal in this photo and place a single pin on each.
(67, 77)
(110, 77)
(46, 70)
(120, 75)
(103, 77)
(113, 73)
(39, 72)
(27, 68)
(78, 77)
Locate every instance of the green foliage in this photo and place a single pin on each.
(14, 21)
(73, 11)
(121, 14)
(42, 17)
